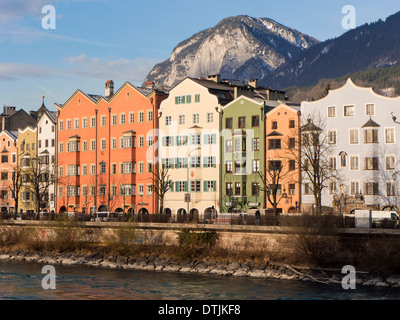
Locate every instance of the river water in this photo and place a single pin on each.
(23, 281)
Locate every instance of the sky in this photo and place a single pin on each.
(92, 41)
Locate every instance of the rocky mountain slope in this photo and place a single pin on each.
(239, 48)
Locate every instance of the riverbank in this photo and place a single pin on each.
(269, 270)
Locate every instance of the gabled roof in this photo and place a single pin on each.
(370, 124)
(310, 126)
(274, 134)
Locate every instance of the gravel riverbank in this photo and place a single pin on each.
(156, 264)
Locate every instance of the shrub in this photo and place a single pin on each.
(193, 243)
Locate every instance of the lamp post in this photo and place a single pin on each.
(188, 194)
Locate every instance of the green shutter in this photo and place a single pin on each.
(188, 99)
(176, 100)
(214, 138)
(183, 99)
(205, 186)
(176, 163)
(205, 162)
(186, 186)
(186, 162)
(214, 161)
(214, 185)
(164, 141)
(205, 139)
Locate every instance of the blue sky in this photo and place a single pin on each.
(97, 40)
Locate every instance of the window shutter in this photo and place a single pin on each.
(186, 186)
(176, 100)
(205, 186)
(214, 183)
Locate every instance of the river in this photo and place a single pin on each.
(23, 281)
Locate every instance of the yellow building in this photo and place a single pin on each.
(27, 154)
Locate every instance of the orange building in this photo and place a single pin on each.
(8, 167)
(105, 150)
(282, 154)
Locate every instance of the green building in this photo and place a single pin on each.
(242, 154)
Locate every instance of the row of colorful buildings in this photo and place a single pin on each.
(213, 145)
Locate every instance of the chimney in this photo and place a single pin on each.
(253, 83)
(216, 78)
(109, 88)
(150, 85)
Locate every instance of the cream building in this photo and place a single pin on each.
(189, 146)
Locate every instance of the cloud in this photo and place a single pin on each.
(15, 9)
(105, 68)
(82, 66)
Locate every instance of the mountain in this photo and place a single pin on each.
(239, 48)
(368, 47)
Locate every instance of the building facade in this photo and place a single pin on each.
(282, 172)
(243, 156)
(190, 146)
(47, 163)
(363, 141)
(27, 160)
(8, 168)
(105, 150)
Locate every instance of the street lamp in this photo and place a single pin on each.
(188, 194)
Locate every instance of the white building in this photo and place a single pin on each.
(190, 145)
(46, 144)
(359, 126)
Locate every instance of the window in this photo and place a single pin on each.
(256, 165)
(390, 162)
(195, 139)
(209, 162)
(228, 189)
(237, 188)
(68, 124)
(292, 165)
(182, 140)
(141, 116)
(180, 100)
(195, 162)
(242, 122)
(168, 141)
(76, 123)
(354, 187)
(371, 136)
(4, 159)
(389, 135)
(349, 111)
(228, 146)
(390, 189)
(331, 112)
(274, 165)
(196, 118)
(332, 163)
(332, 187)
(131, 117)
(61, 125)
(114, 168)
(181, 163)
(181, 186)
(113, 143)
(255, 144)
(150, 140)
(168, 120)
(210, 139)
(150, 115)
(210, 117)
(354, 163)
(292, 189)
(141, 167)
(92, 145)
(308, 189)
(92, 122)
(255, 190)
(196, 98)
(4, 175)
(188, 99)
(195, 186)
(370, 109)
(84, 123)
(181, 119)
(371, 188)
(103, 144)
(103, 168)
(371, 163)
(122, 118)
(274, 144)
(141, 141)
(292, 143)
(332, 136)
(292, 123)
(255, 121)
(210, 186)
(229, 123)
(354, 136)
(103, 121)
(274, 125)
(84, 169)
(127, 167)
(228, 166)
(103, 190)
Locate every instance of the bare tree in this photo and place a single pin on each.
(15, 185)
(161, 184)
(313, 157)
(272, 184)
